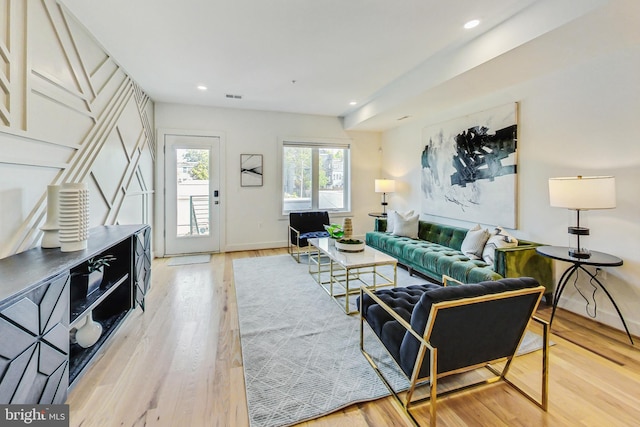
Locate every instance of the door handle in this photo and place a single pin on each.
(215, 193)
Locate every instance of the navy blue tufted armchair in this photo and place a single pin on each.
(432, 331)
(304, 226)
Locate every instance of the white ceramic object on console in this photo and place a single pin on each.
(74, 217)
(89, 333)
(51, 236)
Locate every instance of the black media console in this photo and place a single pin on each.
(39, 358)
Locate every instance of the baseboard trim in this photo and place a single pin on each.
(606, 314)
(256, 246)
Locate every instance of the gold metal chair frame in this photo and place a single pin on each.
(295, 250)
(425, 345)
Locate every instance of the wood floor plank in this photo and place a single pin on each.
(180, 363)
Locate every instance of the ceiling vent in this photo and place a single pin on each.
(231, 96)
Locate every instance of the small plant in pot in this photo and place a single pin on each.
(334, 230)
(89, 278)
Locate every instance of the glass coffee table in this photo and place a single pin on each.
(341, 274)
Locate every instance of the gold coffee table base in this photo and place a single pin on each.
(348, 271)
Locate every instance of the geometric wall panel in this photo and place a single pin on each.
(34, 338)
(130, 127)
(68, 113)
(110, 166)
(130, 210)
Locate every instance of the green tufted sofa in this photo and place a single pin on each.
(436, 252)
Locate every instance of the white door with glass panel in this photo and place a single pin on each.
(192, 199)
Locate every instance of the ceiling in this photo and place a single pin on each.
(312, 56)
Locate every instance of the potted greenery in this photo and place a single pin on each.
(89, 278)
(334, 230)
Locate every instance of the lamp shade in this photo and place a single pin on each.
(583, 193)
(385, 186)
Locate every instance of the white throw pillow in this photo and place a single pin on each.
(474, 241)
(498, 239)
(405, 225)
(391, 219)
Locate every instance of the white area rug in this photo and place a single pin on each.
(189, 259)
(300, 352)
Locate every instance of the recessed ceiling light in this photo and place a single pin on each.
(202, 87)
(353, 103)
(471, 24)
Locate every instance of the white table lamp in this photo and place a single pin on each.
(580, 194)
(385, 186)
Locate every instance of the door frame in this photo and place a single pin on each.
(159, 205)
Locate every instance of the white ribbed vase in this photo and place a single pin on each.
(74, 217)
(51, 237)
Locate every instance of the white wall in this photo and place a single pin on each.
(578, 116)
(68, 114)
(253, 214)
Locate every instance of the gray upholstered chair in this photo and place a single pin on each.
(452, 329)
(304, 226)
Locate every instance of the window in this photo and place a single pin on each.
(315, 176)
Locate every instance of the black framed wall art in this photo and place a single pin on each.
(251, 170)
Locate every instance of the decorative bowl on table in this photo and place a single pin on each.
(350, 245)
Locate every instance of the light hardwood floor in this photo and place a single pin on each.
(180, 364)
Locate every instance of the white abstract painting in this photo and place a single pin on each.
(469, 167)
